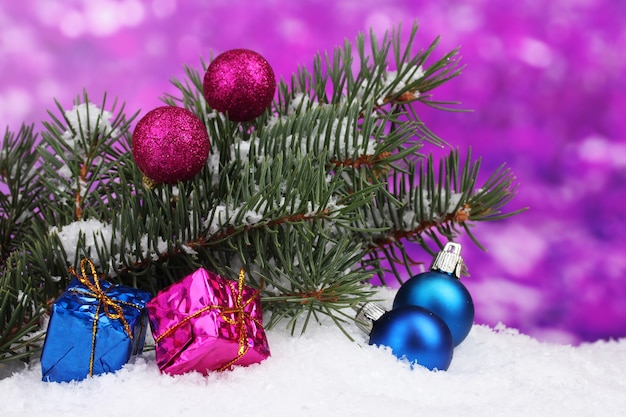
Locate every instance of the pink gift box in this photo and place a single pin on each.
(205, 323)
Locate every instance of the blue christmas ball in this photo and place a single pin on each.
(444, 295)
(416, 334)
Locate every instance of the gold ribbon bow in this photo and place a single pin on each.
(239, 320)
(113, 309)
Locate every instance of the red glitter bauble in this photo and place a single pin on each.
(170, 144)
(241, 83)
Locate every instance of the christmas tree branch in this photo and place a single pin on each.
(433, 200)
(323, 191)
(78, 155)
(18, 165)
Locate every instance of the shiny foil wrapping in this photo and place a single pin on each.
(205, 323)
(75, 349)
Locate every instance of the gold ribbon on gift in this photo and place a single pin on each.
(112, 308)
(239, 320)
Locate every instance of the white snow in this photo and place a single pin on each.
(409, 76)
(86, 117)
(392, 83)
(495, 372)
(94, 232)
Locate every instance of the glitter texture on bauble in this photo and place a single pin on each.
(241, 83)
(170, 144)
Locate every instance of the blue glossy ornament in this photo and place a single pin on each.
(444, 295)
(416, 334)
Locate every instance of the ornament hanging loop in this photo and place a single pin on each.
(449, 260)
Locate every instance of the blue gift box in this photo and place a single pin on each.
(94, 328)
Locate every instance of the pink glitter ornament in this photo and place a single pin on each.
(241, 83)
(206, 322)
(170, 144)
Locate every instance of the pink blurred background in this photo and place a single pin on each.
(545, 80)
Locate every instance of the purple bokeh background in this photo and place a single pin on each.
(545, 80)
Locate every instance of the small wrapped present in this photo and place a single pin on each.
(95, 327)
(205, 323)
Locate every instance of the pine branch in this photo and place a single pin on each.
(320, 193)
(389, 90)
(18, 164)
(79, 154)
(307, 272)
(22, 305)
(435, 202)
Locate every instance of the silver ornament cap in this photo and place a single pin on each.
(449, 260)
(367, 314)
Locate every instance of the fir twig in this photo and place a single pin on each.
(326, 189)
